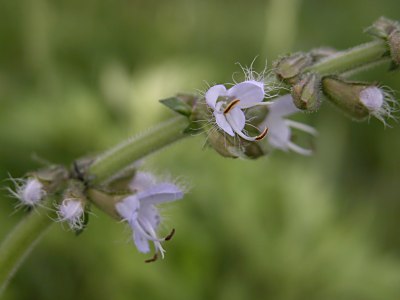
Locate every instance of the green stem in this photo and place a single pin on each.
(353, 58)
(26, 234)
(136, 148)
(21, 240)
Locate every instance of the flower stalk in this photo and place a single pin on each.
(126, 153)
(357, 57)
(22, 239)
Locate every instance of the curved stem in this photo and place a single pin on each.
(136, 148)
(21, 240)
(27, 233)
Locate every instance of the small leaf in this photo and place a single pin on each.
(178, 105)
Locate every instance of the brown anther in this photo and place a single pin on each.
(169, 236)
(153, 259)
(231, 105)
(262, 134)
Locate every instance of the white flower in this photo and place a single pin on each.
(228, 105)
(71, 210)
(29, 192)
(140, 212)
(279, 128)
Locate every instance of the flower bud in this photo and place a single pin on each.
(289, 68)
(389, 31)
(29, 192)
(229, 146)
(359, 100)
(383, 27)
(394, 44)
(307, 92)
(72, 208)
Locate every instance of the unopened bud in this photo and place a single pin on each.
(383, 27)
(289, 68)
(29, 192)
(307, 92)
(394, 44)
(228, 146)
(389, 31)
(72, 208)
(359, 100)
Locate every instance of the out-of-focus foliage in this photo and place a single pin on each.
(78, 76)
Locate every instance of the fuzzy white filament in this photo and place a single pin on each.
(71, 211)
(29, 192)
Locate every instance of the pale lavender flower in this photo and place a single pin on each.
(28, 191)
(71, 211)
(379, 103)
(279, 128)
(140, 210)
(228, 105)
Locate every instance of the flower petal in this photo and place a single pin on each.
(279, 133)
(248, 92)
(223, 123)
(128, 208)
(236, 119)
(150, 213)
(283, 106)
(142, 181)
(213, 93)
(142, 244)
(161, 192)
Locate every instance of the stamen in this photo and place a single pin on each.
(169, 236)
(231, 105)
(153, 259)
(262, 134)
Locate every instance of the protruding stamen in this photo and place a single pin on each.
(262, 134)
(153, 259)
(169, 236)
(231, 105)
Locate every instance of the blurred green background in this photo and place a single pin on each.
(79, 76)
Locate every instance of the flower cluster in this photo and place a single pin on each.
(229, 112)
(140, 212)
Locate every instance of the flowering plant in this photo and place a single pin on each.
(246, 120)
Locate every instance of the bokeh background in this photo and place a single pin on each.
(79, 76)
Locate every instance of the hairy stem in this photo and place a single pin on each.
(21, 240)
(136, 148)
(353, 58)
(28, 231)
